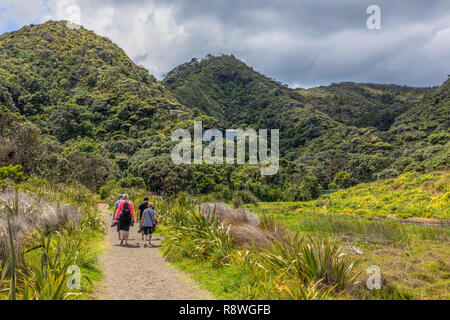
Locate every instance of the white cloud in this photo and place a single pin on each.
(20, 12)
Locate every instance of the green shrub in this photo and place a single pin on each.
(11, 172)
(132, 182)
(388, 173)
(300, 269)
(343, 180)
(241, 197)
(198, 235)
(106, 189)
(439, 138)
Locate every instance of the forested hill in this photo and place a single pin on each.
(74, 83)
(367, 128)
(429, 116)
(76, 108)
(237, 96)
(232, 92)
(365, 104)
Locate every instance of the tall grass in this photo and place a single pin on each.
(199, 235)
(47, 279)
(373, 230)
(26, 215)
(301, 268)
(49, 230)
(10, 263)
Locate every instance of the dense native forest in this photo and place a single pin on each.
(75, 108)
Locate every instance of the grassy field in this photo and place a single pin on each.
(409, 195)
(414, 259)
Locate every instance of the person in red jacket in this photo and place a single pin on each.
(125, 217)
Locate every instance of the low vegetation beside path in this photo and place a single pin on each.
(312, 250)
(48, 233)
(237, 255)
(413, 257)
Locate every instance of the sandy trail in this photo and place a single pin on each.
(138, 273)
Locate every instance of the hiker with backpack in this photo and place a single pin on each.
(148, 224)
(125, 217)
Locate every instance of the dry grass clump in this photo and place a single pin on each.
(227, 215)
(245, 228)
(27, 214)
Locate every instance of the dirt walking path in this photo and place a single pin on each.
(138, 273)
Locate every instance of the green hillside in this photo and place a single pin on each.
(74, 83)
(232, 92)
(364, 104)
(86, 113)
(411, 194)
(362, 131)
(87, 106)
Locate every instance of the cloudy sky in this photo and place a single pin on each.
(303, 43)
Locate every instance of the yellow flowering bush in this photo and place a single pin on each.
(411, 194)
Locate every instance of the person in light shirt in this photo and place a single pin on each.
(116, 206)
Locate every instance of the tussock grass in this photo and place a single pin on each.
(300, 268)
(27, 215)
(50, 228)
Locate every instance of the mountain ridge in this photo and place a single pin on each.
(93, 107)
(311, 129)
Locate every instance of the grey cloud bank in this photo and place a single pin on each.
(302, 43)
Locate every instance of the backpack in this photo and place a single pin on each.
(126, 210)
